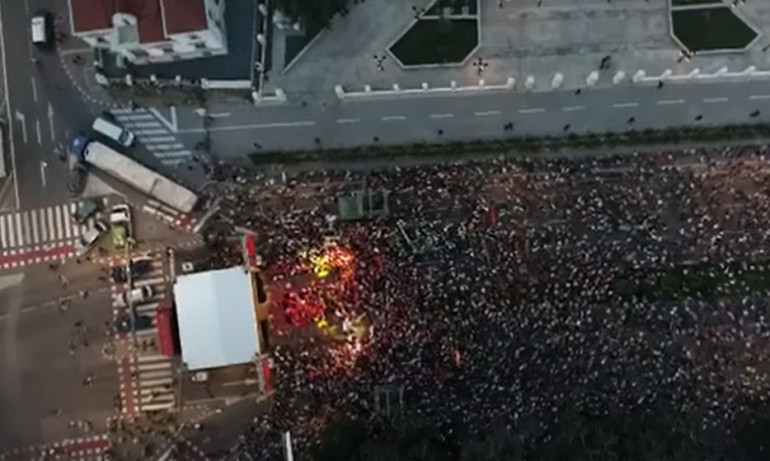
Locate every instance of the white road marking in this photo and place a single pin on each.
(572, 108)
(8, 113)
(155, 139)
(23, 120)
(59, 228)
(487, 113)
(714, 100)
(437, 116)
(11, 233)
(34, 89)
(178, 153)
(156, 147)
(19, 232)
(150, 132)
(759, 96)
(143, 125)
(35, 232)
(249, 127)
(669, 102)
(27, 227)
(3, 242)
(534, 110)
(51, 224)
(37, 131)
(128, 117)
(348, 120)
(622, 105)
(389, 118)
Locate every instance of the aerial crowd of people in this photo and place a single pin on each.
(513, 288)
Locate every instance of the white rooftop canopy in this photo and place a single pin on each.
(217, 320)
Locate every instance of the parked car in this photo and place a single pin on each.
(137, 268)
(85, 209)
(119, 274)
(86, 242)
(78, 178)
(42, 29)
(137, 295)
(120, 221)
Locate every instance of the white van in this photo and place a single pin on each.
(113, 131)
(40, 29)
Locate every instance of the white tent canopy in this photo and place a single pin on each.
(217, 319)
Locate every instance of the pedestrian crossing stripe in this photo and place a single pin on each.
(40, 226)
(155, 136)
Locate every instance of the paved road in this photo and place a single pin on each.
(43, 109)
(473, 115)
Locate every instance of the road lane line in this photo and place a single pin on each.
(8, 111)
(51, 224)
(534, 110)
(34, 89)
(27, 227)
(3, 241)
(60, 229)
(623, 105)
(37, 130)
(572, 108)
(249, 127)
(35, 232)
(19, 230)
(11, 232)
(759, 96)
(669, 102)
(389, 118)
(437, 116)
(348, 120)
(487, 113)
(714, 100)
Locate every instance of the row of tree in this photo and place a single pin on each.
(664, 436)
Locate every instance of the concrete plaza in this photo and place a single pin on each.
(519, 39)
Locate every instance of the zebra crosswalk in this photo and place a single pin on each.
(40, 226)
(154, 379)
(155, 136)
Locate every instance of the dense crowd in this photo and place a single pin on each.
(498, 300)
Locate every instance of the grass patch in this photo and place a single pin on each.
(437, 41)
(694, 2)
(294, 44)
(705, 281)
(711, 29)
(437, 9)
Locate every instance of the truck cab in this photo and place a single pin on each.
(120, 224)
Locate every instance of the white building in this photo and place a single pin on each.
(152, 31)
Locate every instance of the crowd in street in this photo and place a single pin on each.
(498, 301)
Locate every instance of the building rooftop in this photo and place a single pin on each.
(184, 16)
(217, 319)
(155, 18)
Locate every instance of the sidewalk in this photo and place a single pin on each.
(519, 40)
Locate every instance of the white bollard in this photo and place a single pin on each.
(529, 83)
(424, 86)
(280, 95)
(510, 83)
(367, 89)
(619, 77)
(666, 74)
(592, 78)
(129, 80)
(558, 79)
(694, 73)
(722, 71)
(453, 85)
(339, 91)
(481, 83)
(396, 88)
(749, 70)
(262, 9)
(639, 76)
(261, 39)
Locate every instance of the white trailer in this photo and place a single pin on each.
(135, 174)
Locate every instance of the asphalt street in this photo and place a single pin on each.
(472, 115)
(43, 109)
(41, 377)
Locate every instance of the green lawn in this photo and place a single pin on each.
(711, 29)
(707, 281)
(455, 5)
(695, 2)
(436, 41)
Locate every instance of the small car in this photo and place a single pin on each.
(42, 29)
(86, 242)
(85, 209)
(137, 295)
